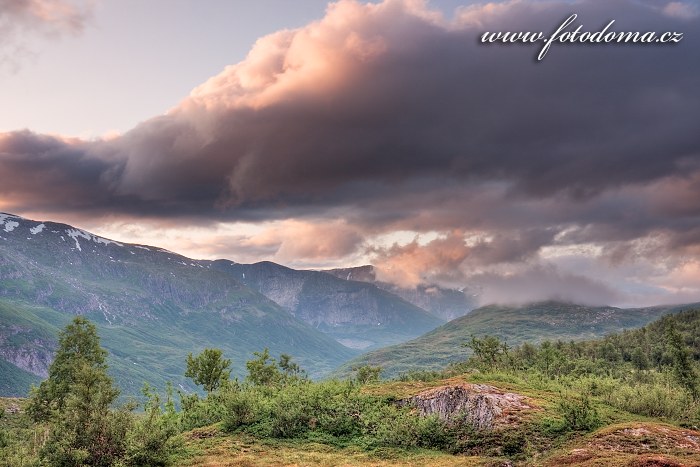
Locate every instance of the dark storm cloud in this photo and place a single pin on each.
(393, 117)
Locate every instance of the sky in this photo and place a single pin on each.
(323, 135)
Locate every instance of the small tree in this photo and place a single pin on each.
(76, 400)
(78, 349)
(367, 374)
(263, 371)
(487, 350)
(208, 369)
(683, 368)
(291, 371)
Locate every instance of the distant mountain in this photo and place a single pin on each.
(529, 323)
(356, 314)
(151, 307)
(446, 304)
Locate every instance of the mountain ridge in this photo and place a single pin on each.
(445, 303)
(151, 307)
(357, 314)
(535, 322)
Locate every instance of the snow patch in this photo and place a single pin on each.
(75, 233)
(105, 241)
(142, 247)
(4, 216)
(10, 225)
(37, 229)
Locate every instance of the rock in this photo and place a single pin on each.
(13, 409)
(483, 407)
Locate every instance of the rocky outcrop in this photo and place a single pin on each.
(481, 406)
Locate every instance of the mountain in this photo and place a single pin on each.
(151, 306)
(446, 304)
(515, 324)
(357, 314)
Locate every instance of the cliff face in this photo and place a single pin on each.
(151, 307)
(357, 314)
(444, 303)
(27, 351)
(483, 407)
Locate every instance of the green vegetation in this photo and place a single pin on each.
(635, 391)
(513, 325)
(72, 419)
(208, 369)
(151, 307)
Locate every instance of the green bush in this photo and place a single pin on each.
(153, 436)
(578, 412)
(243, 407)
(653, 400)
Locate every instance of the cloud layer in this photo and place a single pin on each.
(389, 117)
(21, 20)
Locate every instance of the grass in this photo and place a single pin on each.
(211, 448)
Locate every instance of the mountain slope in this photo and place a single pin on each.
(530, 323)
(446, 304)
(151, 307)
(357, 314)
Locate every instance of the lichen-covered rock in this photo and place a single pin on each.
(483, 407)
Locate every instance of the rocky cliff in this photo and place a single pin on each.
(447, 304)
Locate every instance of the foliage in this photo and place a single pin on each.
(489, 351)
(208, 369)
(263, 370)
(579, 412)
(83, 429)
(75, 406)
(79, 355)
(153, 436)
(367, 374)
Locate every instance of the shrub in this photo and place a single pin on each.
(242, 408)
(579, 413)
(153, 437)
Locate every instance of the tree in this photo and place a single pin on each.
(78, 351)
(488, 350)
(367, 374)
(76, 400)
(683, 368)
(263, 371)
(208, 369)
(290, 369)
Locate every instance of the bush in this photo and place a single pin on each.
(579, 413)
(243, 408)
(153, 437)
(653, 400)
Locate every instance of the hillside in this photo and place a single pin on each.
(513, 324)
(357, 314)
(151, 306)
(444, 303)
(588, 403)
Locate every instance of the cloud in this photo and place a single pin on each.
(683, 10)
(388, 116)
(20, 20)
(414, 264)
(542, 282)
